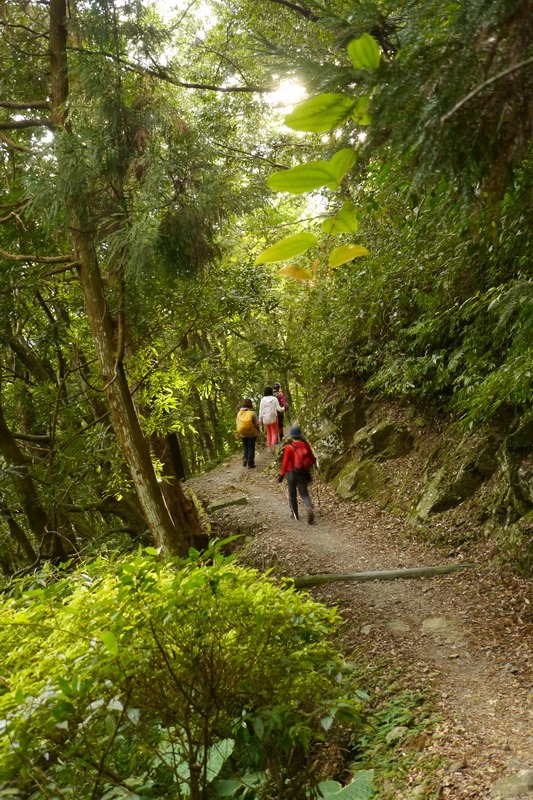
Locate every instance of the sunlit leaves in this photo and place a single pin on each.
(364, 52)
(360, 113)
(321, 113)
(109, 640)
(344, 221)
(287, 248)
(346, 252)
(298, 273)
(303, 178)
(342, 161)
(306, 177)
(58, 677)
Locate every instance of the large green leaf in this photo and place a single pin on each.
(321, 113)
(359, 788)
(217, 755)
(109, 639)
(341, 162)
(346, 252)
(287, 248)
(360, 113)
(344, 221)
(303, 178)
(364, 52)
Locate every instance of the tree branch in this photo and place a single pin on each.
(38, 259)
(159, 72)
(58, 270)
(22, 106)
(305, 12)
(19, 124)
(13, 145)
(478, 89)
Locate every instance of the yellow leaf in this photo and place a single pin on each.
(298, 273)
(346, 252)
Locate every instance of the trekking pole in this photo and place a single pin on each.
(317, 476)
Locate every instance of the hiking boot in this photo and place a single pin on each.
(251, 466)
(244, 462)
(310, 516)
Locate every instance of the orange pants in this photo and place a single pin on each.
(272, 434)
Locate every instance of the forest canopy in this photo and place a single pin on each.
(177, 232)
(171, 239)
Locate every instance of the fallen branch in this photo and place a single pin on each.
(306, 581)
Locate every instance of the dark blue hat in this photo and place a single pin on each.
(295, 432)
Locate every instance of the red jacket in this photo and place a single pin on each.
(290, 453)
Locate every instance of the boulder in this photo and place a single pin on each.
(384, 441)
(451, 485)
(360, 480)
(519, 785)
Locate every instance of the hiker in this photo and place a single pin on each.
(283, 403)
(269, 408)
(248, 431)
(298, 460)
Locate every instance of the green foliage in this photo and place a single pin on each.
(364, 52)
(287, 248)
(400, 721)
(320, 114)
(140, 679)
(359, 788)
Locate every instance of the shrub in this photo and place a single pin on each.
(144, 679)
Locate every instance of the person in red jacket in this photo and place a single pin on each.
(297, 462)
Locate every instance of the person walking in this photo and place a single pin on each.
(248, 430)
(269, 408)
(276, 388)
(298, 460)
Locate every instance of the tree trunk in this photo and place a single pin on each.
(24, 486)
(132, 442)
(176, 456)
(17, 534)
(307, 581)
(126, 423)
(181, 508)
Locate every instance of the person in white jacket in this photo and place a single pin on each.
(269, 408)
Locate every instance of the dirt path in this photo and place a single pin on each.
(467, 636)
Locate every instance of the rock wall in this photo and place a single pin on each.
(455, 486)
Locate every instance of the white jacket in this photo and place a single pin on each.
(268, 409)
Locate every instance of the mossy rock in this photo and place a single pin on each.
(516, 544)
(517, 469)
(445, 492)
(452, 485)
(360, 480)
(384, 441)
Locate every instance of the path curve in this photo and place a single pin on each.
(467, 636)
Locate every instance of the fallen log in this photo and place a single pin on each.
(307, 581)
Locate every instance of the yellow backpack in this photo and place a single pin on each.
(245, 423)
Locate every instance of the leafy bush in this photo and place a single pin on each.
(143, 679)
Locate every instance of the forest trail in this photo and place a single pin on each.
(467, 637)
